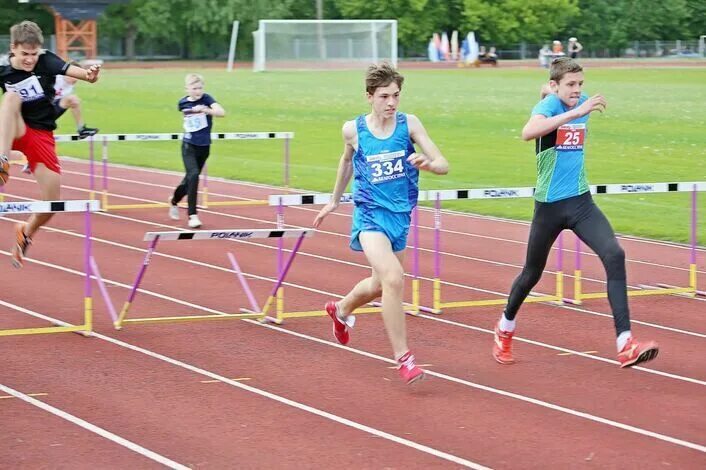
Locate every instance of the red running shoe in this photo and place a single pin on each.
(407, 366)
(635, 352)
(22, 242)
(340, 327)
(502, 347)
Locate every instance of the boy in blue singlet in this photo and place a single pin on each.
(198, 109)
(563, 201)
(379, 154)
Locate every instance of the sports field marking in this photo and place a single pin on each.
(498, 391)
(94, 429)
(4, 397)
(299, 286)
(541, 403)
(575, 354)
(239, 379)
(285, 401)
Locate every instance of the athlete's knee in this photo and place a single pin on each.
(192, 176)
(72, 101)
(530, 276)
(613, 259)
(375, 288)
(393, 279)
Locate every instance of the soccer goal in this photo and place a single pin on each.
(323, 44)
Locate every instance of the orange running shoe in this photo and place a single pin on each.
(502, 347)
(636, 352)
(22, 242)
(408, 369)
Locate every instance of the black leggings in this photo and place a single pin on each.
(194, 157)
(586, 220)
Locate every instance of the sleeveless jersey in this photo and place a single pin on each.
(382, 175)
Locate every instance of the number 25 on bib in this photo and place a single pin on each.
(570, 137)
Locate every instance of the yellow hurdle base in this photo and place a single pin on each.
(45, 330)
(231, 316)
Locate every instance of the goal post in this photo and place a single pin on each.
(323, 44)
(702, 46)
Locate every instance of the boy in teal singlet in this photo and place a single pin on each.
(563, 201)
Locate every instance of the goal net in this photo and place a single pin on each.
(320, 44)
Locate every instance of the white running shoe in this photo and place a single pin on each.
(194, 221)
(173, 211)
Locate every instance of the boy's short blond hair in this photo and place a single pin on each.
(193, 78)
(27, 33)
(562, 66)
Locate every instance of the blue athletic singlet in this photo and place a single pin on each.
(385, 185)
(382, 175)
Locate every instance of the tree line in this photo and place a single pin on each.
(201, 28)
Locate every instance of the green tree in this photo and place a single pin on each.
(416, 19)
(512, 21)
(11, 13)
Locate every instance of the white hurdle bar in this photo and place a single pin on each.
(527, 192)
(155, 137)
(234, 234)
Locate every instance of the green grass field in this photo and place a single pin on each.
(654, 130)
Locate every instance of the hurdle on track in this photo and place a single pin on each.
(87, 207)
(205, 203)
(437, 196)
(237, 234)
(281, 314)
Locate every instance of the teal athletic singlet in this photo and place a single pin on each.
(561, 171)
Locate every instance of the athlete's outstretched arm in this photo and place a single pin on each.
(88, 75)
(344, 173)
(431, 158)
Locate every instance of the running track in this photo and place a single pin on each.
(239, 394)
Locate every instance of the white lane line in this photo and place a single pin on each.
(567, 351)
(94, 429)
(263, 393)
(516, 396)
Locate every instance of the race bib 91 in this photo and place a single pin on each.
(570, 137)
(29, 89)
(195, 122)
(386, 167)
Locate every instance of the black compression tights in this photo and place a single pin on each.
(584, 218)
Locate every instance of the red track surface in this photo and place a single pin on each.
(586, 411)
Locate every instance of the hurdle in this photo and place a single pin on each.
(205, 203)
(579, 295)
(660, 288)
(237, 234)
(86, 206)
(558, 296)
(312, 199)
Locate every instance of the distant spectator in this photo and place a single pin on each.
(557, 49)
(574, 47)
(544, 54)
(489, 57)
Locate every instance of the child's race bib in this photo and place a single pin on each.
(386, 167)
(195, 122)
(29, 89)
(570, 137)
